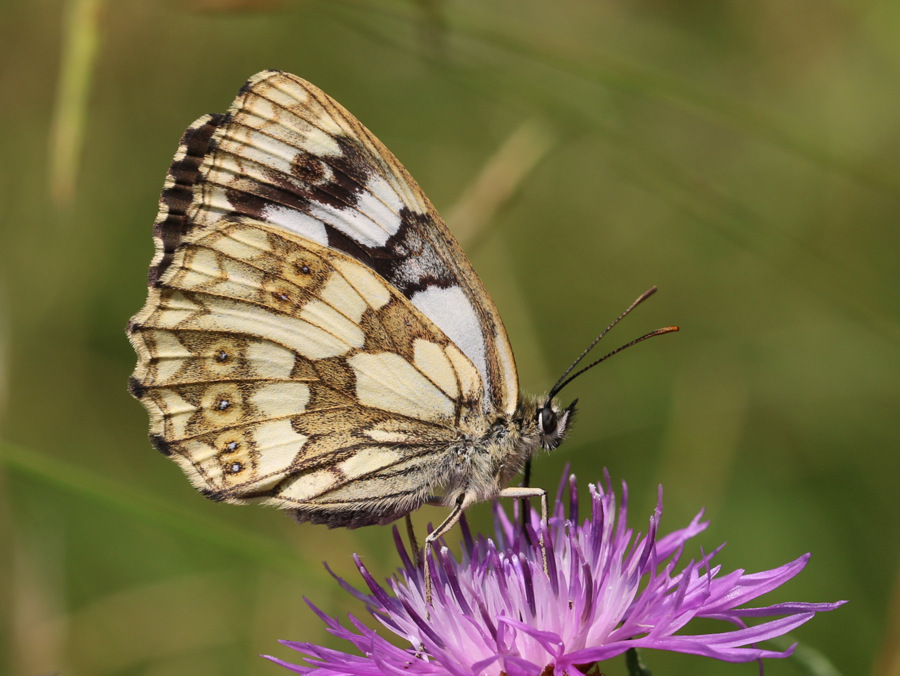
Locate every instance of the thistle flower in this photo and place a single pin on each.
(605, 590)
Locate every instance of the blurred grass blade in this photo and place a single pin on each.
(634, 80)
(5, 323)
(500, 178)
(154, 511)
(887, 657)
(810, 660)
(37, 599)
(630, 79)
(851, 288)
(78, 57)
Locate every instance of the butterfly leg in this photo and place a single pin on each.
(438, 532)
(525, 492)
(526, 482)
(413, 541)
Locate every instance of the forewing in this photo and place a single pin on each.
(288, 155)
(277, 370)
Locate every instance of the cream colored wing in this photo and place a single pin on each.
(277, 370)
(289, 155)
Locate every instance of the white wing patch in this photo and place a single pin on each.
(372, 221)
(278, 445)
(277, 107)
(271, 360)
(307, 486)
(469, 380)
(389, 382)
(169, 405)
(297, 222)
(245, 244)
(433, 362)
(338, 293)
(281, 399)
(170, 354)
(303, 337)
(451, 310)
(262, 149)
(366, 282)
(322, 315)
(370, 460)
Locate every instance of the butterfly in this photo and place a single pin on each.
(314, 338)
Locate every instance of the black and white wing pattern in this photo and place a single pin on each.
(288, 155)
(313, 337)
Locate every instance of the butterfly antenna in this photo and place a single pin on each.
(565, 379)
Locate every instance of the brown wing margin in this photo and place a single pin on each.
(172, 222)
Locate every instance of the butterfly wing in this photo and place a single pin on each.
(277, 370)
(288, 155)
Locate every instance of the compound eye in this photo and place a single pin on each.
(547, 420)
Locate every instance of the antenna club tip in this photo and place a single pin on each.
(659, 332)
(644, 296)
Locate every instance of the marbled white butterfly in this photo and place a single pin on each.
(314, 337)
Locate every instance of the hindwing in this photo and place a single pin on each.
(278, 370)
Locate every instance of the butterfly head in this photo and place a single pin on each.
(553, 422)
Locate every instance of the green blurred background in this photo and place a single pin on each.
(740, 155)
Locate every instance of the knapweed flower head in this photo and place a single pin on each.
(496, 610)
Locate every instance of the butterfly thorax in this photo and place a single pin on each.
(485, 463)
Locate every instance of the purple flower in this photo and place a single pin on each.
(606, 590)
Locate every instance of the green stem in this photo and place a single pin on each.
(635, 666)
